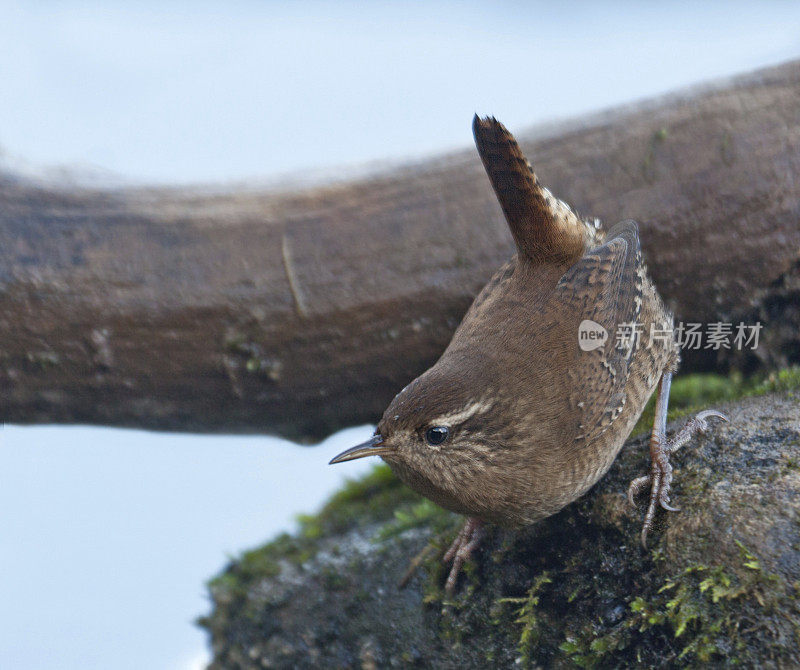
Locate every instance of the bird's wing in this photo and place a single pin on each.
(604, 286)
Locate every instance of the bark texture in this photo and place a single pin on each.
(299, 312)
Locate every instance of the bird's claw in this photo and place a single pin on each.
(700, 419)
(636, 487)
(665, 505)
(461, 549)
(660, 477)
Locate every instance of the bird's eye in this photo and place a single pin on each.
(436, 435)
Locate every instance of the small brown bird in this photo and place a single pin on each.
(546, 375)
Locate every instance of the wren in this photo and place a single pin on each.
(546, 375)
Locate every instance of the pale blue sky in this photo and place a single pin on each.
(106, 537)
(189, 91)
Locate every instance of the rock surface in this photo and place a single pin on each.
(719, 583)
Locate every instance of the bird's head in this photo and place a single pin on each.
(435, 420)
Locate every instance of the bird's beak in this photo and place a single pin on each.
(374, 446)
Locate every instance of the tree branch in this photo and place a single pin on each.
(301, 312)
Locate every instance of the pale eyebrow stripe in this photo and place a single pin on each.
(454, 418)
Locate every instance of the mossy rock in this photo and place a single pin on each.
(718, 585)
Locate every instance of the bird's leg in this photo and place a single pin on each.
(660, 477)
(467, 539)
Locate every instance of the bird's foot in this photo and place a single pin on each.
(660, 478)
(467, 539)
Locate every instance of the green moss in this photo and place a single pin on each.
(705, 614)
(695, 607)
(257, 564)
(424, 513)
(367, 500)
(527, 617)
(376, 497)
(786, 380)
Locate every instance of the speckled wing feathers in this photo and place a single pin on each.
(605, 286)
